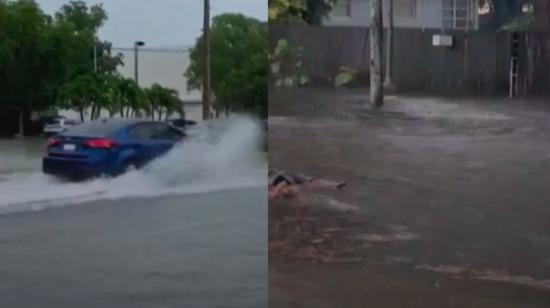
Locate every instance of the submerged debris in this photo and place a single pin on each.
(388, 238)
(283, 184)
(487, 275)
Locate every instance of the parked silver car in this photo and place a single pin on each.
(57, 125)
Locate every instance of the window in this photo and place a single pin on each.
(144, 131)
(155, 131)
(342, 8)
(165, 132)
(457, 14)
(405, 8)
(96, 129)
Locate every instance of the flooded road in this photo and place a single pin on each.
(189, 230)
(452, 197)
(206, 250)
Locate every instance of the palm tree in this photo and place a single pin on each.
(171, 104)
(163, 100)
(129, 96)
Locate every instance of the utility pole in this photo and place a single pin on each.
(388, 80)
(137, 44)
(207, 77)
(376, 41)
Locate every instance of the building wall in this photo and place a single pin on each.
(165, 67)
(428, 14)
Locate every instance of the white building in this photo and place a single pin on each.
(423, 14)
(165, 67)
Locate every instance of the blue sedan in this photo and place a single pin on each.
(109, 147)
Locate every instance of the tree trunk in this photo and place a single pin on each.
(160, 114)
(21, 123)
(376, 74)
(81, 111)
(121, 109)
(388, 81)
(92, 113)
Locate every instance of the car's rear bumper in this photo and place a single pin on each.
(74, 168)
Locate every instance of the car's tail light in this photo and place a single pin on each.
(53, 142)
(100, 143)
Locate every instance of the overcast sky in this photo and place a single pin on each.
(160, 23)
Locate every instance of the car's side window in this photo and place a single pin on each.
(165, 132)
(144, 131)
(179, 122)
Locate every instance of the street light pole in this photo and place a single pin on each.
(95, 57)
(137, 44)
(92, 116)
(207, 78)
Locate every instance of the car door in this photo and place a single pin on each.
(141, 136)
(165, 137)
(149, 141)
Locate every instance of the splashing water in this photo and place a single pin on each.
(221, 156)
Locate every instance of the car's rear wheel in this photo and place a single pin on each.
(130, 167)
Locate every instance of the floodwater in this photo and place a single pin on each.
(452, 197)
(219, 157)
(187, 231)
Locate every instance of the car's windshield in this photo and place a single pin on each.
(54, 122)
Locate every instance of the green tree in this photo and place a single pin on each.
(78, 94)
(80, 24)
(129, 98)
(309, 11)
(87, 56)
(503, 13)
(29, 57)
(239, 64)
(163, 101)
(41, 55)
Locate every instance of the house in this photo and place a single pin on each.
(422, 14)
